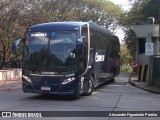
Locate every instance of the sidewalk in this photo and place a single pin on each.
(144, 85)
(10, 84)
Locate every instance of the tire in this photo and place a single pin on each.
(113, 77)
(112, 80)
(89, 88)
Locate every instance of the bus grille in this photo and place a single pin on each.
(46, 79)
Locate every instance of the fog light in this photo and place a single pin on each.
(27, 78)
(68, 80)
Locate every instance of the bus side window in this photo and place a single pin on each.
(85, 47)
(108, 45)
(93, 38)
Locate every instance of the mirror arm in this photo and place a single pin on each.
(23, 39)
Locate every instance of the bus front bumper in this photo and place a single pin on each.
(67, 89)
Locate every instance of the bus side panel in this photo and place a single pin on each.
(101, 57)
(105, 49)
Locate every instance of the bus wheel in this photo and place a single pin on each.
(113, 77)
(112, 80)
(89, 89)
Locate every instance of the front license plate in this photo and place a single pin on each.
(48, 88)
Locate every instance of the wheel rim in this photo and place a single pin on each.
(90, 86)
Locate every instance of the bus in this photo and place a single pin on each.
(67, 58)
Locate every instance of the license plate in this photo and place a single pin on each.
(48, 88)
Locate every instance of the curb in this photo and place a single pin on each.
(132, 83)
(151, 89)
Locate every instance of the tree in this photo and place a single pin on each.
(17, 15)
(126, 57)
(9, 29)
(138, 14)
(102, 12)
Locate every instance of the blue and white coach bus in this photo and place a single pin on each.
(68, 58)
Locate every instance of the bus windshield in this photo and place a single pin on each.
(50, 51)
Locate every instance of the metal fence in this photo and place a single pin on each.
(156, 70)
(11, 74)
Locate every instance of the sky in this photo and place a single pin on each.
(125, 5)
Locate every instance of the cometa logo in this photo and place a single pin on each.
(99, 58)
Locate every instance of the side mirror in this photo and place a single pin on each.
(15, 45)
(81, 40)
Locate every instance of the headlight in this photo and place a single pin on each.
(67, 80)
(27, 78)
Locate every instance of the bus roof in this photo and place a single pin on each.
(55, 26)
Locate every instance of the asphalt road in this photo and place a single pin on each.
(117, 96)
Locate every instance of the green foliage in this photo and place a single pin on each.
(151, 9)
(130, 42)
(126, 57)
(138, 14)
(126, 68)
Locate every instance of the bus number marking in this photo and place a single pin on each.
(39, 35)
